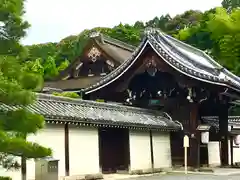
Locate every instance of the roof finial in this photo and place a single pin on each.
(94, 34)
(150, 30)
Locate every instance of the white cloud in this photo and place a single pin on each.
(53, 20)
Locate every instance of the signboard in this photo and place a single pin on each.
(154, 102)
(205, 137)
(237, 140)
(186, 141)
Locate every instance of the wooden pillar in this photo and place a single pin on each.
(24, 164)
(193, 139)
(24, 168)
(223, 132)
(151, 149)
(66, 131)
(231, 149)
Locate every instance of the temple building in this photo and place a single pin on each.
(151, 97)
(100, 56)
(168, 75)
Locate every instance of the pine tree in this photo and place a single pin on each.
(16, 90)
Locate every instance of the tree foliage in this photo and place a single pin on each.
(16, 86)
(215, 31)
(66, 94)
(229, 5)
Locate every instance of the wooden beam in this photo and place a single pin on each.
(151, 149)
(66, 135)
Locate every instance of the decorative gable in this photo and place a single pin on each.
(94, 54)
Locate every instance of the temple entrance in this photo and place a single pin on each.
(177, 150)
(114, 149)
(203, 155)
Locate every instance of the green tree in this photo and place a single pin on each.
(188, 19)
(225, 31)
(198, 34)
(50, 68)
(229, 5)
(42, 51)
(12, 27)
(16, 86)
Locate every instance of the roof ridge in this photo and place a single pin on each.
(118, 42)
(49, 97)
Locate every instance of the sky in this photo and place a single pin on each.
(52, 20)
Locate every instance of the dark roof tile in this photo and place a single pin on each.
(73, 110)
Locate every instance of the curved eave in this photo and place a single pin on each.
(231, 81)
(170, 60)
(192, 73)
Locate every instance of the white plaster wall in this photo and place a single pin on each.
(214, 153)
(236, 152)
(52, 136)
(161, 150)
(14, 174)
(140, 153)
(83, 151)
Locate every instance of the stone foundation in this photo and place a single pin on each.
(84, 177)
(149, 171)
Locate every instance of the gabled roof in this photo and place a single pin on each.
(186, 59)
(57, 109)
(117, 50)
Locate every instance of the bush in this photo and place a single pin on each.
(67, 94)
(5, 178)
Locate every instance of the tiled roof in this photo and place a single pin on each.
(62, 109)
(117, 50)
(214, 121)
(184, 58)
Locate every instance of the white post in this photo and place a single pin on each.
(185, 159)
(185, 145)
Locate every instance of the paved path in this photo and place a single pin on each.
(187, 177)
(218, 174)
